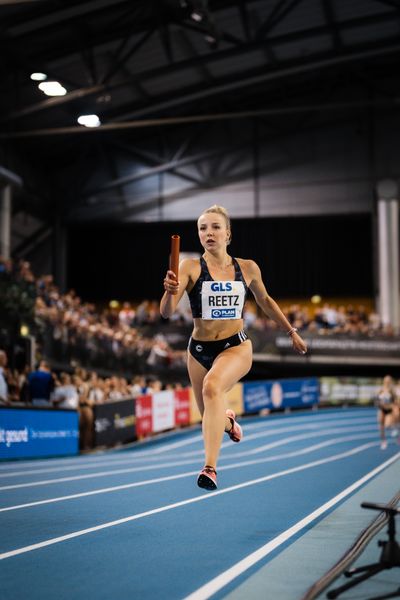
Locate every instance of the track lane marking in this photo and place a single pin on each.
(178, 463)
(153, 454)
(219, 582)
(126, 486)
(75, 534)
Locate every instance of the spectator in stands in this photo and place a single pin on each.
(153, 385)
(138, 386)
(126, 314)
(41, 385)
(96, 389)
(3, 382)
(65, 395)
(86, 414)
(160, 354)
(387, 408)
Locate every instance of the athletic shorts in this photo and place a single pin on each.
(206, 352)
(386, 409)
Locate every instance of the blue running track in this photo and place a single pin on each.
(134, 524)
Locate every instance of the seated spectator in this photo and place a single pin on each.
(41, 385)
(65, 395)
(3, 383)
(138, 386)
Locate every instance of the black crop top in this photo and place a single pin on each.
(216, 300)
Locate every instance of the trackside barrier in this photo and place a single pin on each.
(29, 433)
(280, 394)
(114, 423)
(125, 421)
(349, 390)
(162, 411)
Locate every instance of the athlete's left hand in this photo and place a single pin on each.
(298, 343)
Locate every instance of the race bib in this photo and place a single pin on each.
(222, 300)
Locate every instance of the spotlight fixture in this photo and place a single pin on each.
(89, 120)
(198, 11)
(38, 76)
(52, 88)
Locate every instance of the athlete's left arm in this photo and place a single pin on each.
(269, 306)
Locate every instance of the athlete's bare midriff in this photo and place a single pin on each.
(209, 331)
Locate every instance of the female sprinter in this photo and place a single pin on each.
(387, 408)
(219, 352)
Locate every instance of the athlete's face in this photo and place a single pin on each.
(213, 232)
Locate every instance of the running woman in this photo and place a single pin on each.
(219, 351)
(387, 408)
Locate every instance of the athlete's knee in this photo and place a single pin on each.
(211, 388)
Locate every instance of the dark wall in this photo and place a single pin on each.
(331, 256)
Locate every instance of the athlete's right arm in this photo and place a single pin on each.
(174, 290)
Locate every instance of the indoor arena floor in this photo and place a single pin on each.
(132, 523)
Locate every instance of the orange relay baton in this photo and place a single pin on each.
(174, 257)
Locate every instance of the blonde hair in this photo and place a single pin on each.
(220, 210)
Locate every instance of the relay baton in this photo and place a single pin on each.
(174, 257)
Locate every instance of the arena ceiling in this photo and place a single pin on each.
(162, 73)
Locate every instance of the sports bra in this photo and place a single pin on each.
(218, 300)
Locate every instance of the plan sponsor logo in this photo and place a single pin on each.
(223, 313)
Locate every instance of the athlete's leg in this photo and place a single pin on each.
(196, 374)
(229, 366)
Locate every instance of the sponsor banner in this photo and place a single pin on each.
(285, 393)
(163, 411)
(114, 423)
(358, 390)
(182, 407)
(144, 417)
(339, 345)
(27, 433)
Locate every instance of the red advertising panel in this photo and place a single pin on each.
(144, 415)
(182, 407)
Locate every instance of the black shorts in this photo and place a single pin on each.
(386, 409)
(206, 352)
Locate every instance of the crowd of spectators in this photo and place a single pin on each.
(327, 319)
(79, 390)
(127, 338)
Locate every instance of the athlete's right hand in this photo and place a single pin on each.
(171, 285)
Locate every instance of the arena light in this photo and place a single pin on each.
(316, 299)
(89, 120)
(38, 76)
(24, 330)
(52, 88)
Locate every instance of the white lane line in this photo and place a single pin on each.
(311, 432)
(237, 465)
(201, 498)
(276, 444)
(153, 454)
(219, 582)
(269, 421)
(164, 449)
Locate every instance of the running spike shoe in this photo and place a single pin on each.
(235, 432)
(207, 478)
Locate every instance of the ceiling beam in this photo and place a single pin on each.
(201, 60)
(173, 121)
